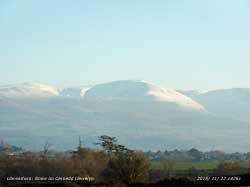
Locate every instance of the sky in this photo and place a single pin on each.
(180, 44)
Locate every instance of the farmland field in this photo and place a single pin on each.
(196, 165)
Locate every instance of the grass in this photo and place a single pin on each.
(197, 165)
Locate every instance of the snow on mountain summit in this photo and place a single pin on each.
(41, 90)
(121, 90)
(168, 95)
(142, 91)
(28, 90)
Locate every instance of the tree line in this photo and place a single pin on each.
(113, 165)
(195, 155)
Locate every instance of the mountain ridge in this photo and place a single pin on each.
(125, 89)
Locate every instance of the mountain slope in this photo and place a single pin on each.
(140, 125)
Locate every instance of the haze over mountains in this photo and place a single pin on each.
(142, 115)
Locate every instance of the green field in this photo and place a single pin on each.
(196, 165)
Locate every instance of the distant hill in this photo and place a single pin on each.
(230, 103)
(142, 115)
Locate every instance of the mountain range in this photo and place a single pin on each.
(140, 114)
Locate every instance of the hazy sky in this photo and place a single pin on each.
(182, 44)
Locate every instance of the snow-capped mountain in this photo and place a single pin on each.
(122, 90)
(29, 90)
(140, 91)
(36, 90)
(142, 115)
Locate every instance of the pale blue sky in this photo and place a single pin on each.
(182, 44)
